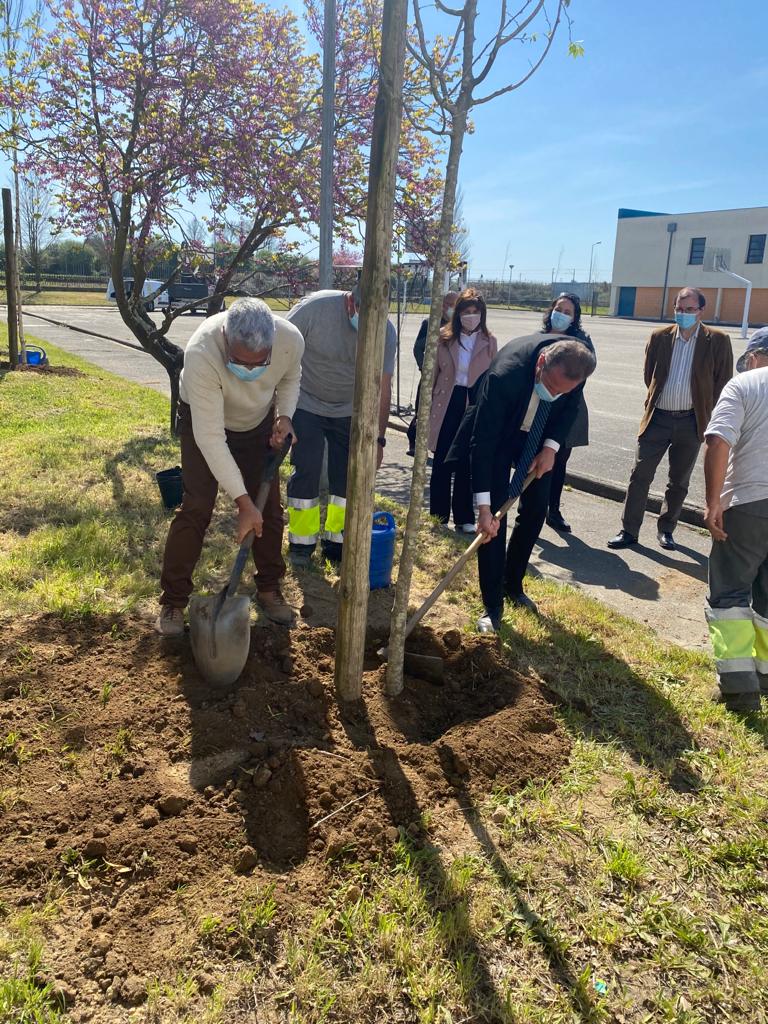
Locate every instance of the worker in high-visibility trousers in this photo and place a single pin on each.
(736, 514)
(328, 322)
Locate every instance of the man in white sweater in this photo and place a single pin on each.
(238, 393)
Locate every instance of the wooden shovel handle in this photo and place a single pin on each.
(462, 560)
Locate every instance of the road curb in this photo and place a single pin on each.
(691, 514)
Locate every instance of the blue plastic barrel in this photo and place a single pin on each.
(35, 355)
(382, 550)
(171, 489)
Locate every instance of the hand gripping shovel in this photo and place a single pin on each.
(220, 626)
(427, 666)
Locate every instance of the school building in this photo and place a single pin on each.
(657, 254)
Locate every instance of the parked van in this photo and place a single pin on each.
(179, 293)
(150, 286)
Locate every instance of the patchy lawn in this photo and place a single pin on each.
(566, 831)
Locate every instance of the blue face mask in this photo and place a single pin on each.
(560, 321)
(685, 320)
(244, 373)
(544, 395)
(354, 319)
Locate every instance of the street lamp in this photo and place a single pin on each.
(509, 290)
(589, 283)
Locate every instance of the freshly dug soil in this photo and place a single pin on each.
(126, 770)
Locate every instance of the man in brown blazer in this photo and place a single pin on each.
(687, 365)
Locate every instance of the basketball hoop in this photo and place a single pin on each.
(716, 259)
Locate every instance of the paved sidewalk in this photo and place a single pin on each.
(665, 590)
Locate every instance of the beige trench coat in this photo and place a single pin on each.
(444, 379)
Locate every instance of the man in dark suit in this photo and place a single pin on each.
(687, 365)
(527, 373)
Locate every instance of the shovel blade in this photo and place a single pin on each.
(220, 645)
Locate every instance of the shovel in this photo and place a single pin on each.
(220, 626)
(427, 666)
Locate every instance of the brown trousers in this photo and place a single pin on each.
(250, 449)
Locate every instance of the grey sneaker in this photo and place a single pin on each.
(740, 703)
(300, 559)
(170, 621)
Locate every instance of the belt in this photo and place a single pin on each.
(676, 415)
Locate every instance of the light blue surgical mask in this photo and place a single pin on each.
(244, 373)
(545, 395)
(560, 321)
(685, 320)
(354, 319)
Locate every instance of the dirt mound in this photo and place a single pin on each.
(127, 777)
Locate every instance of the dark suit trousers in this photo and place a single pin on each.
(411, 431)
(671, 432)
(502, 574)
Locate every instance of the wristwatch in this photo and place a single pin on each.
(381, 441)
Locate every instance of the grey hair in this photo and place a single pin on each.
(250, 323)
(573, 357)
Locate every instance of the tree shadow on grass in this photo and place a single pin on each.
(447, 903)
(574, 985)
(608, 700)
(134, 454)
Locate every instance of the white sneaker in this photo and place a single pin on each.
(466, 528)
(170, 621)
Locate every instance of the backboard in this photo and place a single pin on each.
(716, 259)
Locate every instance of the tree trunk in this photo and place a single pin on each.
(396, 654)
(353, 603)
(10, 280)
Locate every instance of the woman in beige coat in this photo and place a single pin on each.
(464, 352)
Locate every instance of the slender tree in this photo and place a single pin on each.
(353, 603)
(458, 66)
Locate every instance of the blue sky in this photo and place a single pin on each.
(666, 111)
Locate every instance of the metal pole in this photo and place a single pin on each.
(326, 146)
(509, 290)
(10, 280)
(671, 228)
(589, 282)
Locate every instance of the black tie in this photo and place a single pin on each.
(530, 449)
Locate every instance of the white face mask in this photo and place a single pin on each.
(470, 321)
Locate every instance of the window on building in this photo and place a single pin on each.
(697, 251)
(756, 249)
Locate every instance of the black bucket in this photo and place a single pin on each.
(171, 489)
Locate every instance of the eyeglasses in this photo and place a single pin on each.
(250, 364)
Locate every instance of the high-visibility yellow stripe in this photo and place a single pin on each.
(761, 640)
(731, 638)
(304, 521)
(334, 517)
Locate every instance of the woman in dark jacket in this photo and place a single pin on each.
(564, 317)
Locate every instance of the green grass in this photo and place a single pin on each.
(632, 887)
(64, 297)
(82, 526)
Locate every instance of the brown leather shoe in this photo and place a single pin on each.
(274, 607)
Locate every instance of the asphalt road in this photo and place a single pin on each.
(615, 393)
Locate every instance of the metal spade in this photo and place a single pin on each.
(220, 626)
